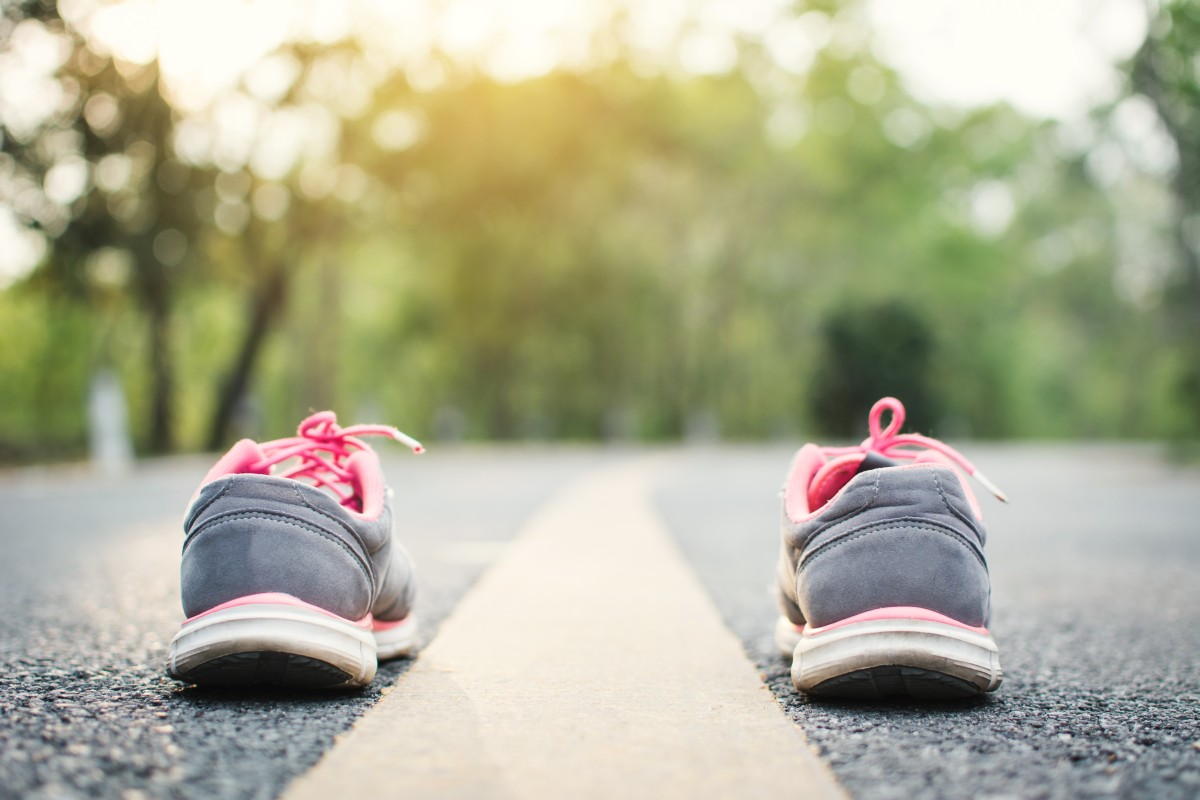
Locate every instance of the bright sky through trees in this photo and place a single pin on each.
(1047, 59)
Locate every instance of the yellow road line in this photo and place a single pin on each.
(588, 662)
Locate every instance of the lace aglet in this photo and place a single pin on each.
(408, 441)
(991, 487)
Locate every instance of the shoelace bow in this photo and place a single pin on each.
(320, 434)
(891, 443)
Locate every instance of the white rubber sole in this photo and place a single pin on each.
(398, 640)
(277, 644)
(877, 658)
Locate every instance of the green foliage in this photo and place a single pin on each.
(600, 253)
(1164, 70)
(870, 352)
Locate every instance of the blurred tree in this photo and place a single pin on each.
(287, 226)
(869, 352)
(621, 249)
(118, 208)
(1167, 70)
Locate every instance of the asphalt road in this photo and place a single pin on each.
(1096, 569)
(1096, 590)
(89, 583)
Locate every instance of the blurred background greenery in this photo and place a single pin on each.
(562, 219)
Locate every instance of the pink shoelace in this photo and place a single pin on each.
(891, 443)
(321, 450)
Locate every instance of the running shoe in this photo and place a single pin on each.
(291, 574)
(883, 584)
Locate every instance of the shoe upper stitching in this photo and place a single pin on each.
(799, 542)
(295, 487)
(341, 523)
(908, 523)
(376, 582)
(272, 516)
(198, 510)
(950, 506)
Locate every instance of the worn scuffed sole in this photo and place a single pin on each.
(877, 683)
(885, 657)
(273, 644)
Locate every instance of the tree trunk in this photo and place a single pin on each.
(319, 370)
(267, 304)
(163, 384)
(1185, 186)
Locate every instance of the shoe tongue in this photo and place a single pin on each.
(837, 472)
(873, 460)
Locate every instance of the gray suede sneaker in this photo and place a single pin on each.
(882, 579)
(291, 575)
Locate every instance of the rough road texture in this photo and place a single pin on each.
(1096, 574)
(1096, 569)
(89, 577)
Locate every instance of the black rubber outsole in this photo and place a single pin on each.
(896, 681)
(267, 668)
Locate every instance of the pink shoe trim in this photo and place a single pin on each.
(389, 625)
(279, 599)
(895, 612)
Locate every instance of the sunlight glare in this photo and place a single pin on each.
(1047, 59)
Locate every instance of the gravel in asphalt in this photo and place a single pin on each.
(1096, 572)
(1096, 590)
(89, 600)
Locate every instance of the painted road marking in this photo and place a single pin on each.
(588, 662)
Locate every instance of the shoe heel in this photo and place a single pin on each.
(281, 642)
(876, 658)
